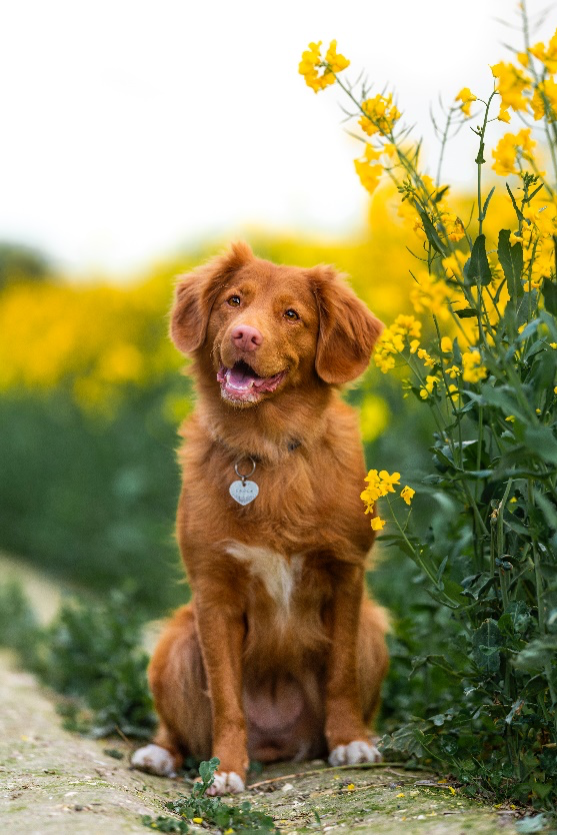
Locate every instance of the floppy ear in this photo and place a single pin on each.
(196, 294)
(348, 329)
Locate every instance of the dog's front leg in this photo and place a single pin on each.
(349, 740)
(220, 624)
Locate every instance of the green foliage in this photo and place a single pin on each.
(90, 653)
(19, 262)
(89, 499)
(210, 812)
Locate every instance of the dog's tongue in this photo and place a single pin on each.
(242, 383)
(241, 379)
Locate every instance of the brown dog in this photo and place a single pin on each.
(280, 654)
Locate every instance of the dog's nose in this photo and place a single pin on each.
(246, 337)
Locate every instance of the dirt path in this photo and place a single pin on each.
(55, 782)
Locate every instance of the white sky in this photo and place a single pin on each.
(131, 127)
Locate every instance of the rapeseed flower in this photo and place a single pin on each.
(467, 98)
(368, 168)
(393, 341)
(377, 524)
(513, 85)
(430, 383)
(379, 115)
(407, 494)
(511, 149)
(430, 295)
(473, 369)
(312, 63)
(548, 55)
(544, 101)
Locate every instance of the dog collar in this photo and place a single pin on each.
(244, 491)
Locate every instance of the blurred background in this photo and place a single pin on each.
(139, 139)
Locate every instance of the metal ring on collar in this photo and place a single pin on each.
(247, 475)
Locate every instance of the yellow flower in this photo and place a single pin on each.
(553, 345)
(453, 791)
(513, 238)
(334, 60)
(407, 494)
(351, 786)
(455, 263)
(453, 370)
(467, 98)
(379, 115)
(368, 169)
(446, 345)
(453, 393)
(504, 115)
(513, 83)
(426, 358)
(510, 419)
(312, 63)
(473, 370)
(430, 295)
(400, 795)
(545, 94)
(377, 524)
(510, 148)
(546, 55)
(197, 820)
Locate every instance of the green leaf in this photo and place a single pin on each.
(431, 233)
(486, 203)
(549, 294)
(536, 656)
(548, 509)
(511, 260)
(479, 270)
(519, 214)
(466, 313)
(486, 644)
(542, 442)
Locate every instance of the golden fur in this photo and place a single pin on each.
(280, 653)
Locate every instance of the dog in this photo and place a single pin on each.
(280, 654)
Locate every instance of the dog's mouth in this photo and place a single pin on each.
(242, 384)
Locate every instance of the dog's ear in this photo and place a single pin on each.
(196, 294)
(348, 329)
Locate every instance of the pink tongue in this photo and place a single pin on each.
(240, 379)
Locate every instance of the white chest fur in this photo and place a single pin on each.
(278, 573)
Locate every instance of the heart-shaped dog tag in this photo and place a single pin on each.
(244, 492)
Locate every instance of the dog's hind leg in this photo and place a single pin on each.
(177, 678)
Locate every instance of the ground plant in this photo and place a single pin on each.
(477, 350)
(209, 812)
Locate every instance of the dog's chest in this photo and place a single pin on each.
(279, 575)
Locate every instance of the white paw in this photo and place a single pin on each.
(153, 759)
(356, 752)
(226, 783)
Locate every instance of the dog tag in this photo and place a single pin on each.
(244, 492)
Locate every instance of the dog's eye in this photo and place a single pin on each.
(234, 300)
(292, 315)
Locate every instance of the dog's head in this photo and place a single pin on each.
(261, 328)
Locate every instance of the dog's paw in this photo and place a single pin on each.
(356, 752)
(226, 783)
(155, 760)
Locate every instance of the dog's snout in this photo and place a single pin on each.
(246, 338)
